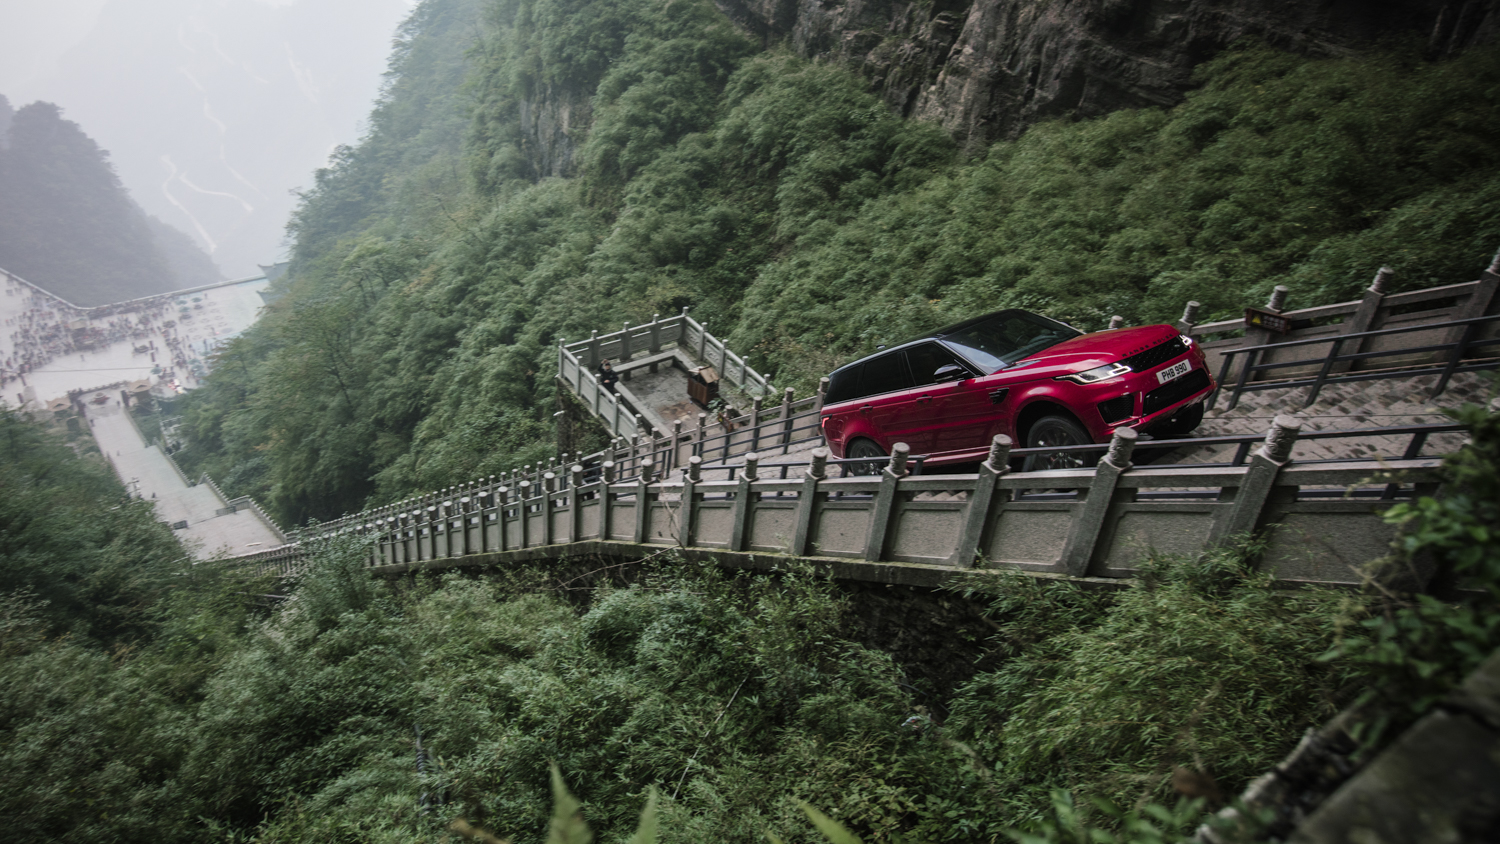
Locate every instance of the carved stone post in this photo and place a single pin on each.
(808, 499)
(822, 394)
(1189, 318)
(743, 502)
(885, 501)
(1090, 515)
(755, 406)
(523, 508)
(606, 500)
(786, 418)
(982, 501)
(549, 502)
(1116, 322)
(643, 501)
(689, 509)
(575, 502)
(1244, 513)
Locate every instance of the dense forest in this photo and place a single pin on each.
(151, 699)
(67, 224)
(537, 169)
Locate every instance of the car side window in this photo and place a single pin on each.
(885, 374)
(928, 362)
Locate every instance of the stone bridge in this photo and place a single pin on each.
(756, 486)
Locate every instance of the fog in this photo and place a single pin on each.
(214, 111)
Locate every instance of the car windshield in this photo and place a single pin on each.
(1007, 337)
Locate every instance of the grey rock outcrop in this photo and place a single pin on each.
(986, 69)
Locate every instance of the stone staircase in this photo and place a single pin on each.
(1359, 404)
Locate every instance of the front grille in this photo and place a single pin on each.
(1117, 408)
(1173, 392)
(1156, 355)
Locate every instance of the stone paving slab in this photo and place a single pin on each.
(1358, 404)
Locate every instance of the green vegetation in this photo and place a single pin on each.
(67, 224)
(149, 699)
(540, 169)
(437, 264)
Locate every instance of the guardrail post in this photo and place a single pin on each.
(549, 496)
(1250, 497)
(982, 501)
(655, 335)
(642, 501)
(1189, 318)
(1088, 519)
(625, 347)
(689, 508)
(822, 395)
(885, 500)
(502, 503)
(698, 437)
(742, 503)
(606, 479)
(1254, 336)
(463, 530)
(786, 419)
(807, 501)
(523, 509)
(703, 341)
(1360, 321)
(483, 501)
(1116, 322)
(755, 406)
(594, 356)
(575, 503)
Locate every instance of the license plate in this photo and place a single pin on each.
(1175, 371)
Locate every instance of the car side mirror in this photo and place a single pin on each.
(950, 372)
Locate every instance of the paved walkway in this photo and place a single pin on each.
(152, 475)
(1357, 404)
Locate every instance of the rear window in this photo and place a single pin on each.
(843, 384)
(883, 374)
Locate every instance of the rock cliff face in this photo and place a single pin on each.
(986, 69)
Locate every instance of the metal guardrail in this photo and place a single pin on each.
(1467, 330)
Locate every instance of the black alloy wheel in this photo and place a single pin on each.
(861, 449)
(1050, 431)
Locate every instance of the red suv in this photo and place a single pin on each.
(1018, 373)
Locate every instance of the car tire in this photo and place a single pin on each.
(1182, 423)
(1057, 431)
(862, 448)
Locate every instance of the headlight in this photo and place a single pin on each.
(1097, 374)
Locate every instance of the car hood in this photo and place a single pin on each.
(1101, 347)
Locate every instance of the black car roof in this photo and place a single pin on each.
(933, 335)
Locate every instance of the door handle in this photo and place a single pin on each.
(925, 398)
(867, 408)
